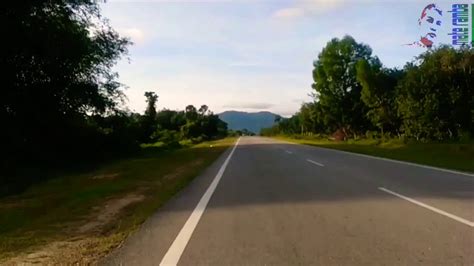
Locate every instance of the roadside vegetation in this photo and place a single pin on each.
(64, 109)
(79, 171)
(77, 218)
(457, 156)
(426, 108)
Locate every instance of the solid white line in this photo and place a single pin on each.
(452, 216)
(388, 160)
(176, 249)
(289, 152)
(316, 163)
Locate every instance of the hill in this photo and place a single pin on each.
(237, 120)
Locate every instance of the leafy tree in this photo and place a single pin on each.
(310, 118)
(203, 109)
(212, 126)
(337, 90)
(290, 125)
(151, 99)
(430, 99)
(178, 120)
(436, 100)
(56, 71)
(379, 93)
(191, 113)
(170, 120)
(149, 119)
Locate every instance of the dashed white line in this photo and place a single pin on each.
(452, 216)
(176, 249)
(388, 160)
(316, 163)
(289, 152)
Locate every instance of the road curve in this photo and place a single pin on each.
(274, 203)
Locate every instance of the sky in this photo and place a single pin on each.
(250, 55)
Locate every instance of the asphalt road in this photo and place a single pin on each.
(276, 203)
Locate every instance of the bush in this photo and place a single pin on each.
(197, 140)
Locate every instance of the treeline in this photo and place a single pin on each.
(430, 99)
(170, 127)
(166, 128)
(61, 103)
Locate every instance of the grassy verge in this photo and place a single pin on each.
(80, 217)
(457, 156)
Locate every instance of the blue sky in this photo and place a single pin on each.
(250, 55)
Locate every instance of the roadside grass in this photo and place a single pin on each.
(457, 156)
(79, 217)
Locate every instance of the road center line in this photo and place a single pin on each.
(316, 163)
(289, 152)
(452, 216)
(176, 249)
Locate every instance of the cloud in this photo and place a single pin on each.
(249, 105)
(290, 12)
(136, 35)
(308, 8)
(224, 55)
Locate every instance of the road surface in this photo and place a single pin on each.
(267, 202)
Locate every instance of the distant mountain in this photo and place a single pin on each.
(252, 121)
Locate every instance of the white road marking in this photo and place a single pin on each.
(289, 152)
(388, 160)
(452, 216)
(176, 249)
(316, 163)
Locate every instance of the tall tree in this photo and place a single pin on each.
(191, 113)
(56, 70)
(337, 89)
(149, 124)
(151, 100)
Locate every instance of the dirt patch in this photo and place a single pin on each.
(82, 248)
(108, 176)
(85, 251)
(86, 244)
(108, 212)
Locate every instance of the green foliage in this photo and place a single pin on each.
(430, 99)
(56, 74)
(270, 131)
(148, 121)
(50, 86)
(151, 100)
(436, 99)
(337, 90)
(202, 124)
(378, 94)
(62, 105)
(170, 138)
